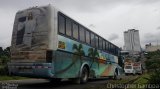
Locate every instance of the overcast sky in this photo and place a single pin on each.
(108, 18)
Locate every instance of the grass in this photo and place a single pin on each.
(1, 66)
(141, 82)
(5, 77)
(143, 79)
(110, 83)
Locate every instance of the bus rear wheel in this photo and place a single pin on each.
(82, 78)
(84, 75)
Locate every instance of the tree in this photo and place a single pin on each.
(153, 66)
(93, 53)
(1, 51)
(7, 52)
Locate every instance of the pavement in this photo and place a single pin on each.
(64, 84)
(45, 84)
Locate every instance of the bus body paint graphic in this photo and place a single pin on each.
(104, 69)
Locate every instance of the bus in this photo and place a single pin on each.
(46, 43)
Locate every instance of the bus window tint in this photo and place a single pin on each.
(92, 40)
(68, 27)
(107, 46)
(104, 45)
(96, 41)
(61, 22)
(111, 49)
(100, 43)
(82, 34)
(75, 31)
(22, 19)
(87, 37)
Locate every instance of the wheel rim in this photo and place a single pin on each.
(84, 75)
(115, 75)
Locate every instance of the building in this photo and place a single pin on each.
(151, 48)
(132, 41)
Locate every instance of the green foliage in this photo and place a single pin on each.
(4, 59)
(143, 79)
(3, 70)
(153, 66)
(4, 77)
(153, 61)
(5, 52)
(155, 78)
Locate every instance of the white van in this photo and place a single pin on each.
(129, 69)
(138, 68)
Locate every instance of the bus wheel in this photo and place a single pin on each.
(84, 75)
(115, 76)
(83, 78)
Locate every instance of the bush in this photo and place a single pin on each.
(153, 66)
(4, 70)
(155, 78)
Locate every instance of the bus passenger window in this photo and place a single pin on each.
(61, 24)
(75, 31)
(87, 37)
(82, 34)
(100, 43)
(107, 46)
(68, 27)
(96, 38)
(22, 19)
(104, 45)
(92, 40)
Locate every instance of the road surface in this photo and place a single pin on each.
(65, 84)
(45, 84)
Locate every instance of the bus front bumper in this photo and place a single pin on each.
(36, 70)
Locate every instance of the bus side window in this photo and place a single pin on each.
(96, 41)
(92, 40)
(100, 43)
(82, 34)
(61, 24)
(75, 31)
(68, 27)
(22, 19)
(104, 44)
(87, 37)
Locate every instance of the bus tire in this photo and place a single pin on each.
(84, 75)
(115, 76)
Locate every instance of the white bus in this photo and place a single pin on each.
(46, 43)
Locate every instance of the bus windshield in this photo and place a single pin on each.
(128, 67)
